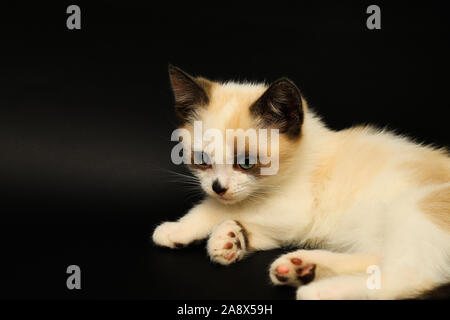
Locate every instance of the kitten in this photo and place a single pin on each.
(368, 199)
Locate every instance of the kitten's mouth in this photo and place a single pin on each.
(227, 200)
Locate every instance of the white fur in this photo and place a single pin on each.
(356, 212)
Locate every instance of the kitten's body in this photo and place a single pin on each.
(364, 197)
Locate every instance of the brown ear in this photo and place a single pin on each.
(189, 92)
(280, 107)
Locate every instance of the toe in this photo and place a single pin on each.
(282, 269)
(228, 245)
(307, 273)
(230, 256)
(281, 278)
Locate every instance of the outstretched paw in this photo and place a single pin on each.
(227, 243)
(172, 235)
(292, 269)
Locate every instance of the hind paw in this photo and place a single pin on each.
(292, 269)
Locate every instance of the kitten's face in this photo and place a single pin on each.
(232, 173)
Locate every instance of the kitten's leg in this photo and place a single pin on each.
(195, 225)
(405, 277)
(303, 266)
(403, 284)
(231, 240)
(341, 287)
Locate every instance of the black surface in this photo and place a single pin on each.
(86, 118)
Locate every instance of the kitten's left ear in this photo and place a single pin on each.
(280, 107)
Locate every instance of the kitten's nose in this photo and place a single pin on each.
(218, 188)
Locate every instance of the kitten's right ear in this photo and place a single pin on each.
(280, 107)
(189, 92)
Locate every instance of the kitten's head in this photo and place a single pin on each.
(233, 114)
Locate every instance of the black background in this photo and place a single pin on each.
(86, 117)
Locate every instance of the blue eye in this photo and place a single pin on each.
(246, 165)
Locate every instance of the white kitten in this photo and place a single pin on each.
(364, 197)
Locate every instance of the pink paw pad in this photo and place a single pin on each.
(303, 272)
(230, 256)
(282, 269)
(228, 245)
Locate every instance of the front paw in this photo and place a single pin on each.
(227, 243)
(172, 235)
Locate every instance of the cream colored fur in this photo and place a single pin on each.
(355, 194)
